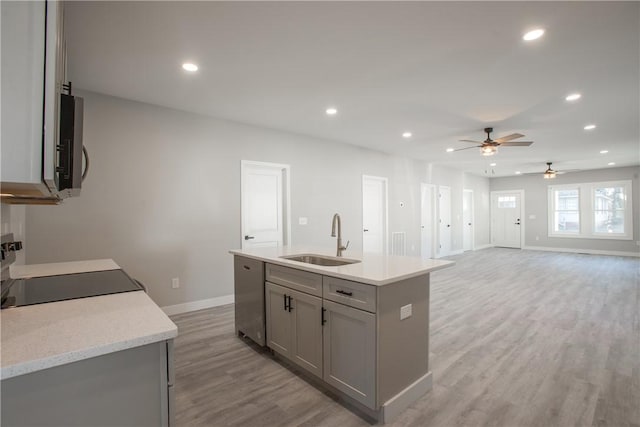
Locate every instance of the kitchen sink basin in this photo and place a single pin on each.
(323, 260)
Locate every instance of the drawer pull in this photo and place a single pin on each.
(341, 292)
(246, 267)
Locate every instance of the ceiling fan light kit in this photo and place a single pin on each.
(549, 173)
(489, 146)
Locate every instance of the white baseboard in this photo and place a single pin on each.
(170, 310)
(456, 252)
(582, 251)
(481, 247)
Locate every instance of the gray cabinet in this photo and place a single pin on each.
(350, 351)
(128, 387)
(294, 326)
(249, 298)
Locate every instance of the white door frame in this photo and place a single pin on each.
(286, 195)
(522, 211)
(473, 219)
(385, 222)
(433, 204)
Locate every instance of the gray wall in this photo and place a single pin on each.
(535, 188)
(163, 196)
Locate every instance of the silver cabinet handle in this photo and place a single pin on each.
(86, 161)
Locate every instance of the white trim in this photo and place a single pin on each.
(456, 252)
(385, 183)
(286, 169)
(481, 247)
(398, 403)
(185, 307)
(582, 251)
(522, 214)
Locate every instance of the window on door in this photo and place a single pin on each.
(591, 210)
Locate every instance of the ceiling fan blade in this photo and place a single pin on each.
(467, 148)
(469, 140)
(516, 144)
(509, 137)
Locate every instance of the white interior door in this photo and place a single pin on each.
(374, 214)
(467, 220)
(264, 204)
(427, 220)
(506, 216)
(444, 210)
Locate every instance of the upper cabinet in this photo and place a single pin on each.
(41, 157)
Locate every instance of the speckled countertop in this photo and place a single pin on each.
(373, 269)
(42, 336)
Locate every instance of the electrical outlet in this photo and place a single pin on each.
(302, 220)
(405, 311)
(175, 282)
(537, 237)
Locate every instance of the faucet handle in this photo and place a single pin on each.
(345, 248)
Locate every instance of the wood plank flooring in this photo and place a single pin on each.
(518, 338)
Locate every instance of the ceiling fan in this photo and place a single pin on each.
(489, 146)
(551, 173)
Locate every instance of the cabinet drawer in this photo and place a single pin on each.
(302, 281)
(354, 294)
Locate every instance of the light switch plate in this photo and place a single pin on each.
(405, 311)
(302, 220)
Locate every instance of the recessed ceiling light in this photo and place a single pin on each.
(604, 151)
(573, 97)
(492, 164)
(449, 150)
(188, 66)
(611, 164)
(518, 172)
(407, 135)
(331, 111)
(533, 34)
(589, 127)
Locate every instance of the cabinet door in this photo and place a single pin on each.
(23, 55)
(350, 351)
(306, 339)
(248, 279)
(278, 319)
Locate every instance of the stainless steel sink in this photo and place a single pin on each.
(323, 260)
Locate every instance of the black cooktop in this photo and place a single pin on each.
(38, 290)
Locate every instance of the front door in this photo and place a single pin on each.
(264, 204)
(506, 219)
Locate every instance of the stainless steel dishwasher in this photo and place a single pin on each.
(249, 298)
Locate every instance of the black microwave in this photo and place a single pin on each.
(68, 171)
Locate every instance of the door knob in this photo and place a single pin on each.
(365, 230)
(249, 237)
(448, 225)
(516, 223)
(469, 223)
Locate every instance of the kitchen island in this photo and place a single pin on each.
(360, 329)
(96, 360)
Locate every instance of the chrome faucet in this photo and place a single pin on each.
(336, 220)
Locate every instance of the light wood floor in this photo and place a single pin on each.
(518, 338)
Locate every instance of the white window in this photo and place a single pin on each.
(599, 210)
(506, 202)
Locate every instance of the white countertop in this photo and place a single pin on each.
(372, 269)
(42, 336)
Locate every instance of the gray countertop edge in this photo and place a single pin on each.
(30, 366)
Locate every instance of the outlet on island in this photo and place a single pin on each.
(175, 282)
(405, 311)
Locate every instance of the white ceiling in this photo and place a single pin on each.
(443, 70)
